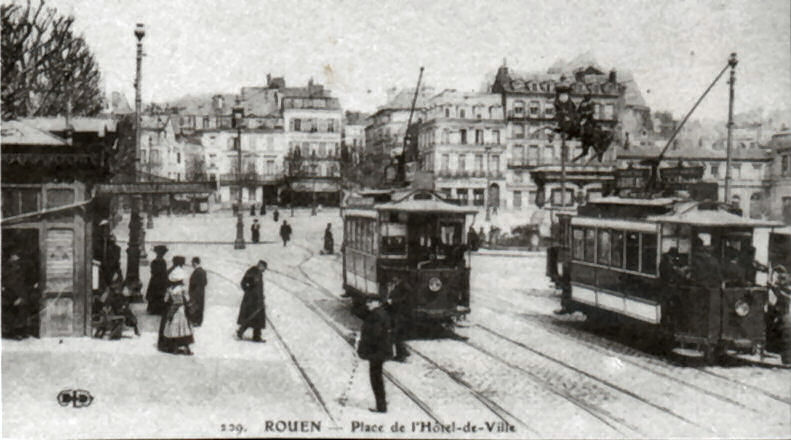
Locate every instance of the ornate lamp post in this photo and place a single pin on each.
(238, 119)
(136, 250)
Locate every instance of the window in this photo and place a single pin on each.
(633, 251)
(495, 164)
(445, 136)
(479, 162)
(736, 171)
(270, 167)
(603, 247)
(462, 162)
(478, 197)
(479, 137)
(519, 108)
(305, 149)
(785, 164)
(617, 249)
(178, 157)
(297, 124)
(19, 201)
(556, 195)
(609, 111)
(143, 156)
(205, 122)
(517, 199)
(578, 239)
(496, 136)
(463, 135)
(445, 162)
(535, 107)
(462, 114)
(447, 112)
(715, 170)
(531, 197)
(649, 254)
(549, 110)
(322, 149)
(532, 155)
(463, 195)
(331, 125)
(518, 154)
(549, 153)
(590, 244)
(519, 131)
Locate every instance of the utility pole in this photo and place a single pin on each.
(732, 62)
(136, 249)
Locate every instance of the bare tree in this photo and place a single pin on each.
(44, 63)
(294, 170)
(196, 167)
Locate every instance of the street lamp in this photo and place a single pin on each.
(238, 118)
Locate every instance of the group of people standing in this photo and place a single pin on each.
(180, 306)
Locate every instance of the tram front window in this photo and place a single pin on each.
(393, 239)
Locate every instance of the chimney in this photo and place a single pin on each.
(613, 76)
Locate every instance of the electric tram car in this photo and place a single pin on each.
(410, 244)
(664, 264)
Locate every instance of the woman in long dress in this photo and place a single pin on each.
(178, 332)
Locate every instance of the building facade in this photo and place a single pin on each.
(780, 177)
(462, 143)
(161, 154)
(533, 148)
(277, 120)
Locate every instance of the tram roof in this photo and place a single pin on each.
(711, 217)
(437, 206)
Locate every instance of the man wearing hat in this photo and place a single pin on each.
(111, 267)
(158, 283)
(252, 312)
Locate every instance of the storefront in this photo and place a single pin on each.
(47, 227)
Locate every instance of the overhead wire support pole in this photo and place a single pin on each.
(654, 162)
(732, 62)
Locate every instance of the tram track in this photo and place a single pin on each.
(493, 406)
(315, 394)
(646, 361)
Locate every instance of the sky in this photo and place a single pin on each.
(359, 49)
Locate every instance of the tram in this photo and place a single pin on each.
(411, 240)
(666, 264)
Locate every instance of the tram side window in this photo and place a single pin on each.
(393, 238)
(590, 244)
(617, 249)
(649, 254)
(578, 236)
(603, 247)
(633, 251)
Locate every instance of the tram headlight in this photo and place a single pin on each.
(434, 284)
(741, 308)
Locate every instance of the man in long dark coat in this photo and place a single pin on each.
(255, 231)
(376, 347)
(329, 242)
(197, 292)
(472, 238)
(158, 284)
(285, 232)
(112, 262)
(252, 312)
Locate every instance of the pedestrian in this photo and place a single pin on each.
(162, 343)
(276, 215)
(329, 243)
(158, 283)
(252, 209)
(481, 237)
(472, 239)
(285, 232)
(255, 231)
(177, 333)
(197, 292)
(376, 347)
(252, 312)
(111, 267)
(400, 304)
(14, 299)
(263, 209)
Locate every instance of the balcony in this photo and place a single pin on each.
(456, 174)
(527, 116)
(250, 178)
